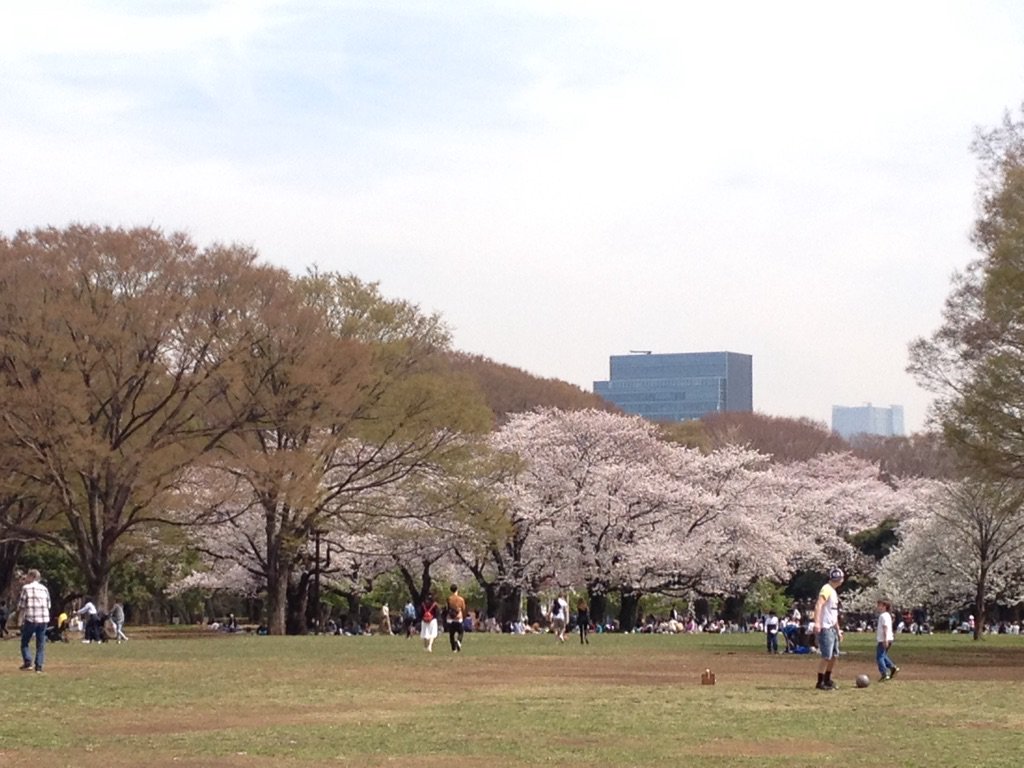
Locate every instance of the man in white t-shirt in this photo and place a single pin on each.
(771, 631)
(883, 641)
(826, 626)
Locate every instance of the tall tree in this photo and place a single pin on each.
(349, 398)
(567, 459)
(966, 547)
(116, 347)
(974, 362)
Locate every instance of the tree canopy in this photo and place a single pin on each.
(199, 419)
(974, 362)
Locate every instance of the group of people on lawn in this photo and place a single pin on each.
(825, 627)
(34, 613)
(33, 610)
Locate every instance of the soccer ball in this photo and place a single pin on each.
(863, 681)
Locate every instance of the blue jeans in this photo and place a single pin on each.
(38, 629)
(828, 643)
(882, 657)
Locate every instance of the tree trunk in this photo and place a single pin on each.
(418, 592)
(628, 610)
(701, 609)
(298, 601)
(598, 607)
(533, 612)
(9, 552)
(255, 609)
(355, 610)
(97, 584)
(510, 604)
(979, 607)
(732, 609)
(491, 600)
(277, 602)
(492, 592)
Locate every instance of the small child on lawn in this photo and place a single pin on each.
(884, 636)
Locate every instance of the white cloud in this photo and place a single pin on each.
(562, 180)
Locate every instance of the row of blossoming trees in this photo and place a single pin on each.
(587, 500)
(150, 387)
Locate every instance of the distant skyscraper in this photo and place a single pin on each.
(679, 386)
(867, 420)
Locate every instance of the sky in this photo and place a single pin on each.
(561, 181)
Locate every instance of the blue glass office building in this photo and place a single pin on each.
(677, 387)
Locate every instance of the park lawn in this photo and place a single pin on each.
(624, 700)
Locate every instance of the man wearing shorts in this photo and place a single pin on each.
(826, 626)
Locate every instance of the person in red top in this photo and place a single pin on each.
(428, 622)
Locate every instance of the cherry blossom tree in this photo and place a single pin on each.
(416, 528)
(570, 461)
(967, 546)
(731, 526)
(406, 525)
(601, 502)
(834, 496)
(349, 399)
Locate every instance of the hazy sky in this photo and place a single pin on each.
(561, 180)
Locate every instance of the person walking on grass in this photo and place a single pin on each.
(455, 616)
(408, 619)
(583, 620)
(117, 620)
(428, 622)
(559, 617)
(825, 625)
(34, 612)
(385, 620)
(883, 638)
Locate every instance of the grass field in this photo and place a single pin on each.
(624, 700)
